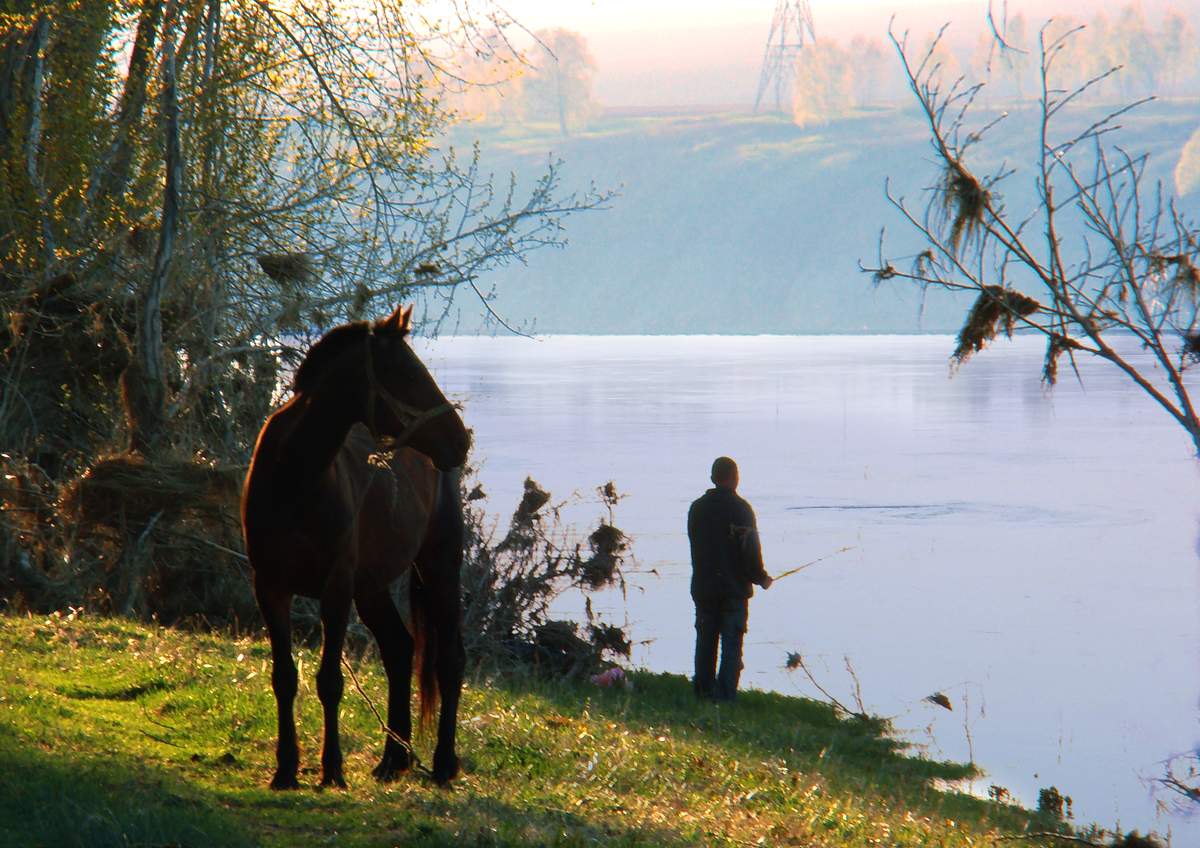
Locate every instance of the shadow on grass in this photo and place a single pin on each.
(68, 799)
(115, 691)
(850, 753)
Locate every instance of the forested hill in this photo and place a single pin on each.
(734, 223)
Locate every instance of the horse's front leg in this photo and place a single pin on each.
(276, 607)
(335, 616)
(441, 562)
(379, 614)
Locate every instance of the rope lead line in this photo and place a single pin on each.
(417, 765)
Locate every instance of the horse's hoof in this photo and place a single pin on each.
(445, 769)
(391, 767)
(284, 781)
(333, 781)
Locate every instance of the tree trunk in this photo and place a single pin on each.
(111, 176)
(136, 560)
(206, 233)
(560, 98)
(147, 382)
(33, 142)
(22, 78)
(14, 53)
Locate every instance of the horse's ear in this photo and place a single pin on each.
(399, 321)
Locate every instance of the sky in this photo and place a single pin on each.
(664, 53)
(625, 15)
(654, 54)
(838, 16)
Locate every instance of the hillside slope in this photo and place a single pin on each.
(732, 223)
(115, 734)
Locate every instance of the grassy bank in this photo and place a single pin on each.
(113, 733)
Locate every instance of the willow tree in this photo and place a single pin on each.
(193, 187)
(1100, 259)
(190, 190)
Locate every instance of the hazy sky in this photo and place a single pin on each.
(839, 15)
(661, 53)
(624, 15)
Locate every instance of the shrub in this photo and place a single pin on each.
(509, 585)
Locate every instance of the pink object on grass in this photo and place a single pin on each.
(609, 678)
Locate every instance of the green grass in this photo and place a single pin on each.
(113, 733)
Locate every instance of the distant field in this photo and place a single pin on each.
(116, 734)
(735, 223)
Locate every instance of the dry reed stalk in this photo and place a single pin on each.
(964, 201)
(995, 308)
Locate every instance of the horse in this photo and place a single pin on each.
(327, 515)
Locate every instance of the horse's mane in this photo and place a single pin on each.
(332, 345)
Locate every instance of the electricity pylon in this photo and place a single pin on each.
(791, 26)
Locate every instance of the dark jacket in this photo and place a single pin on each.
(726, 556)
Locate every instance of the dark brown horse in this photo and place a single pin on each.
(325, 519)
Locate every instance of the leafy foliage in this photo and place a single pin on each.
(190, 192)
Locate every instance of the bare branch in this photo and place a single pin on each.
(1115, 276)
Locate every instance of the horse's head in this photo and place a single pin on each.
(404, 404)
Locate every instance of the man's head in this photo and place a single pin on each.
(725, 473)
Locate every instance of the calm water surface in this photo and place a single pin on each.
(1030, 555)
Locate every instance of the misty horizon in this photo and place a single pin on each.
(656, 61)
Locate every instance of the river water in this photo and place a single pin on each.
(1030, 555)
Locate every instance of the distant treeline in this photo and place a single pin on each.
(1156, 56)
(550, 81)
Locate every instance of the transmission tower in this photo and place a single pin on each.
(791, 29)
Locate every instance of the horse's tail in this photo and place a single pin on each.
(425, 642)
(434, 595)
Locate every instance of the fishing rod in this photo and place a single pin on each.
(799, 568)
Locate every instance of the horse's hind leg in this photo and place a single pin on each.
(276, 607)
(441, 563)
(335, 616)
(381, 617)
(451, 661)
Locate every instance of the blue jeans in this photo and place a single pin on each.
(723, 622)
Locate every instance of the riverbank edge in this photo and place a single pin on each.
(117, 733)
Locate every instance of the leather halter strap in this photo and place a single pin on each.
(409, 416)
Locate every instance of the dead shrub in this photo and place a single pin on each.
(510, 585)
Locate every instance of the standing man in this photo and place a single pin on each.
(726, 564)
